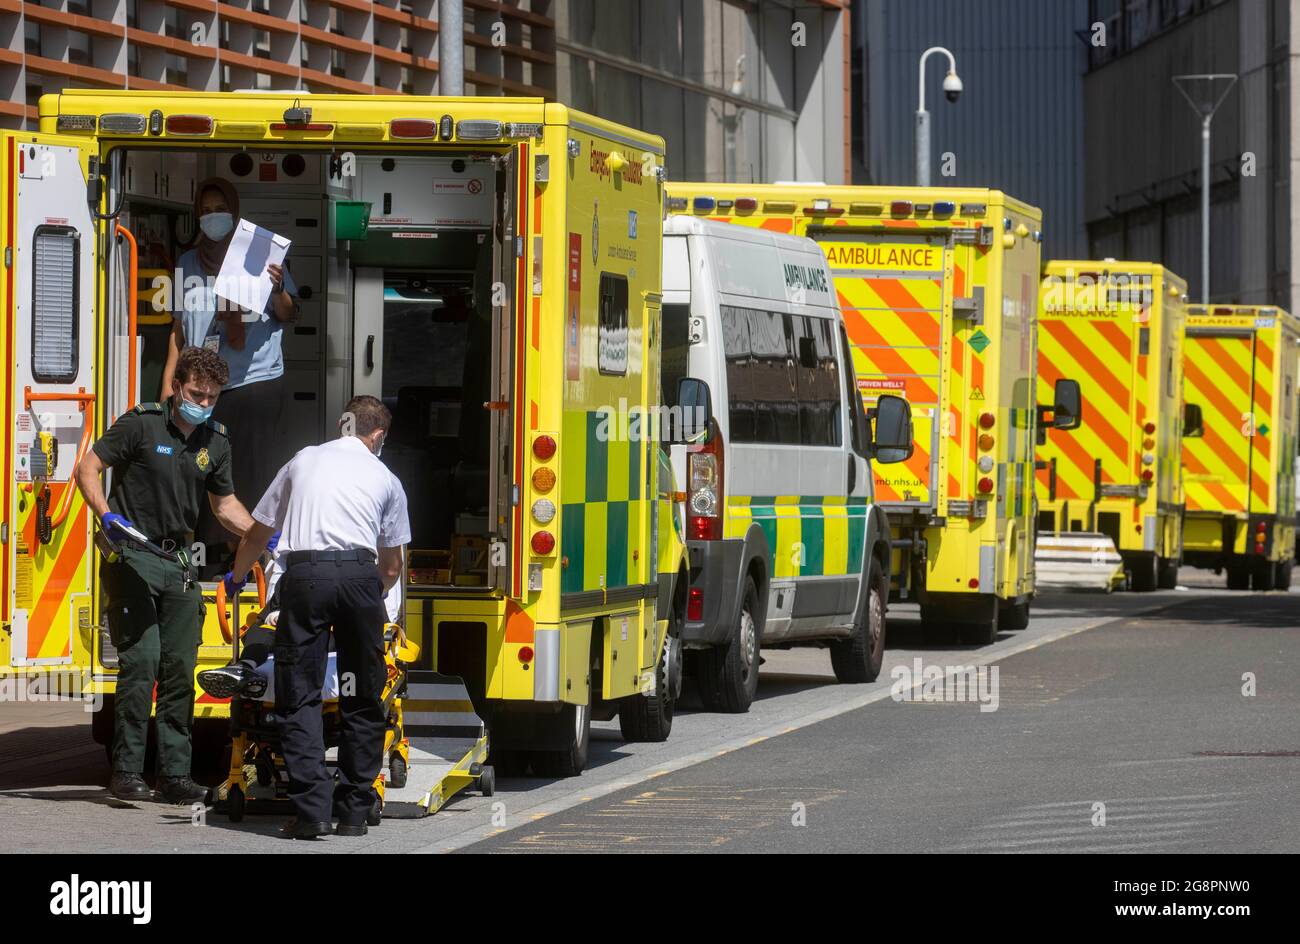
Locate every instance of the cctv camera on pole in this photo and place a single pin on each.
(952, 91)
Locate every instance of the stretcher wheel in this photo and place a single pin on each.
(487, 781)
(396, 771)
(235, 809)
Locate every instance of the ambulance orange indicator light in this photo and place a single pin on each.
(544, 447)
(986, 442)
(543, 480)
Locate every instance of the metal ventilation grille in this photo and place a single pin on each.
(54, 308)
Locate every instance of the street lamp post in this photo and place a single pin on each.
(1205, 105)
(952, 89)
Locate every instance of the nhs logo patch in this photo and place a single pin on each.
(163, 450)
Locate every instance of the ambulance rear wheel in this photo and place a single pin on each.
(982, 633)
(572, 759)
(1263, 577)
(728, 674)
(1238, 578)
(235, 805)
(859, 658)
(650, 717)
(1142, 574)
(1167, 573)
(1284, 571)
(1015, 615)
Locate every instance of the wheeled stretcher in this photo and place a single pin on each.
(435, 744)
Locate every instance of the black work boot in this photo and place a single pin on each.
(293, 829)
(128, 786)
(180, 790)
(234, 679)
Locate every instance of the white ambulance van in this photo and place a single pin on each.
(787, 546)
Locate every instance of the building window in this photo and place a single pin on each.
(32, 38)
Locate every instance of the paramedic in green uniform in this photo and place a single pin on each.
(165, 457)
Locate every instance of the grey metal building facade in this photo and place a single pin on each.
(1143, 151)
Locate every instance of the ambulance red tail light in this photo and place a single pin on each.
(189, 124)
(695, 605)
(746, 204)
(526, 654)
(543, 542)
(412, 128)
(900, 207)
(704, 490)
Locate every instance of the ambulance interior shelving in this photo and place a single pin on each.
(402, 311)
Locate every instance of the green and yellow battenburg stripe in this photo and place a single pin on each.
(808, 535)
(602, 485)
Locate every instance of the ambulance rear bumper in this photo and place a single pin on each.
(715, 572)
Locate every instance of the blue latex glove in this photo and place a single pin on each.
(114, 522)
(271, 544)
(233, 586)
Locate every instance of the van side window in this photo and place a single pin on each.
(740, 397)
(776, 409)
(55, 297)
(675, 359)
(612, 336)
(818, 381)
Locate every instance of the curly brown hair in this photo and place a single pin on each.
(198, 363)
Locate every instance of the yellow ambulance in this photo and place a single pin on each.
(1118, 328)
(938, 292)
(1240, 369)
(489, 267)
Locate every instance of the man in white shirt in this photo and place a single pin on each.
(334, 504)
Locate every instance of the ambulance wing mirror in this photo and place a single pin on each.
(891, 419)
(1066, 408)
(692, 418)
(1193, 421)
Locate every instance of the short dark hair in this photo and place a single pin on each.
(201, 364)
(368, 414)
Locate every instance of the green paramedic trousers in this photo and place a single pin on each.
(156, 623)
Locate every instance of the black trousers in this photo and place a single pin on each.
(350, 597)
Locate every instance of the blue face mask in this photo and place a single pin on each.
(192, 413)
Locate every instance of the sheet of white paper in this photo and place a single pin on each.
(243, 279)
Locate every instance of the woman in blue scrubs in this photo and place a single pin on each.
(252, 403)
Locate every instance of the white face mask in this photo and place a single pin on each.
(216, 226)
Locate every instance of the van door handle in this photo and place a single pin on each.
(853, 474)
(370, 352)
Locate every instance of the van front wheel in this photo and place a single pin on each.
(728, 674)
(859, 658)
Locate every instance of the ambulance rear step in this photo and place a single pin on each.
(448, 748)
(1078, 560)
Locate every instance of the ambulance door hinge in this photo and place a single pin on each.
(519, 247)
(4, 533)
(9, 257)
(970, 307)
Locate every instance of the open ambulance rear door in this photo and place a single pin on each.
(51, 382)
